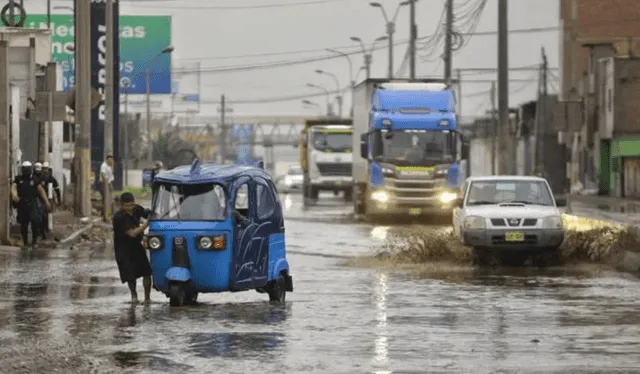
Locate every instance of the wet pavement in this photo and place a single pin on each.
(66, 311)
(606, 208)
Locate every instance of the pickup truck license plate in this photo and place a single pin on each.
(415, 211)
(514, 236)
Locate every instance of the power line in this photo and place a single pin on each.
(239, 7)
(358, 50)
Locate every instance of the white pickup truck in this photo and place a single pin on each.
(512, 216)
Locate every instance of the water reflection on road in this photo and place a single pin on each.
(62, 306)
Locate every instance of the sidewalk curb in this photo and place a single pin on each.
(80, 231)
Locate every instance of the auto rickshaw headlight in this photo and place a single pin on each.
(216, 242)
(205, 242)
(154, 242)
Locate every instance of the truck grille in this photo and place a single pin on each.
(414, 194)
(502, 222)
(341, 170)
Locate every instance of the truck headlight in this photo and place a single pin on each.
(380, 196)
(553, 222)
(442, 172)
(288, 181)
(447, 197)
(474, 222)
(205, 242)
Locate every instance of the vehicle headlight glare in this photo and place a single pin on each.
(474, 222)
(155, 243)
(205, 242)
(380, 196)
(553, 222)
(288, 181)
(447, 197)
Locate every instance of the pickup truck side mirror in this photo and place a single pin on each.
(458, 202)
(464, 150)
(561, 202)
(364, 146)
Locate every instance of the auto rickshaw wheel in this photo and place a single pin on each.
(176, 295)
(278, 290)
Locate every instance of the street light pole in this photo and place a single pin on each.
(147, 73)
(391, 29)
(108, 87)
(337, 82)
(368, 53)
(329, 109)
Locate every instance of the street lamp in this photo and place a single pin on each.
(337, 82)
(351, 78)
(147, 72)
(391, 29)
(368, 53)
(329, 109)
(309, 103)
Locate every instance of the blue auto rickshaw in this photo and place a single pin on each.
(217, 228)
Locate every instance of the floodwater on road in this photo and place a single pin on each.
(66, 311)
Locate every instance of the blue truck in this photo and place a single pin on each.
(412, 157)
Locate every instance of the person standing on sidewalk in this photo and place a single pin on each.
(27, 193)
(130, 254)
(106, 179)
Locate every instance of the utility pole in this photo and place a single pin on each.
(48, 14)
(223, 130)
(448, 43)
(459, 76)
(391, 28)
(503, 90)
(108, 104)
(5, 150)
(542, 123)
(199, 84)
(83, 106)
(413, 36)
(49, 87)
(494, 129)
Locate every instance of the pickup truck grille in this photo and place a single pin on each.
(341, 170)
(513, 222)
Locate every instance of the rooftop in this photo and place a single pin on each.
(506, 178)
(210, 172)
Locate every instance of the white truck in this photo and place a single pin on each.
(326, 156)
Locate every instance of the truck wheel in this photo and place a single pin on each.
(348, 195)
(358, 205)
(314, 193)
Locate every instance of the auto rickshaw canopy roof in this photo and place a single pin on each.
(209, 173)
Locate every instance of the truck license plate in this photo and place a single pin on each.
(415, 211)
(514, 236)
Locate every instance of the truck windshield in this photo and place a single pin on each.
(417, 148)
(332, 141)
(509, 191)
(184, 202)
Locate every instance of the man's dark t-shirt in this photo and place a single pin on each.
(29, 206)
(130, 255)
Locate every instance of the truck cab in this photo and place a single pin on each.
(326, 157)
(412, 151)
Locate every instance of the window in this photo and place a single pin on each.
(266, 203)
(199, 202)
(509, 191)
(242, 198)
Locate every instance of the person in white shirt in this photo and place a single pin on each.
(106, 175)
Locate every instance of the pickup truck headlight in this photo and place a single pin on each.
(447, 197)
(288, 181)
(474, 222)
(553, 222)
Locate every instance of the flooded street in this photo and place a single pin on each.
(66, 311)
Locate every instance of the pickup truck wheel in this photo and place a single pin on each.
(481, 256)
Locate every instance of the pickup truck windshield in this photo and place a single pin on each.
(413, 148)
(200, 202)
(332, 141)
(509, 191)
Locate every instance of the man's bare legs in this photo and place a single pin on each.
(146, 283)
(134, 294)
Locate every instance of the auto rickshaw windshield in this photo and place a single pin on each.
(189, 202)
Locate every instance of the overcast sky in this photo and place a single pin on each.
(218, 33)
